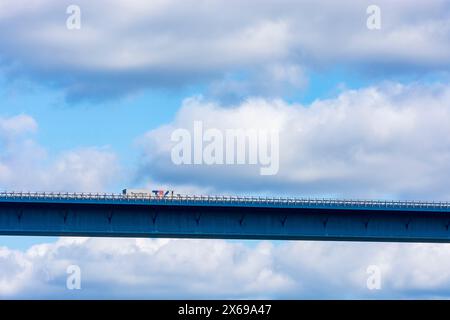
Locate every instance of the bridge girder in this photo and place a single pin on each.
(67, 218)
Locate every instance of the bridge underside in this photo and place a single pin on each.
(61, 219)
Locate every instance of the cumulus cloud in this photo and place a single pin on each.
(124, 46)
(388, 141)
(26, 166)
(163, 268)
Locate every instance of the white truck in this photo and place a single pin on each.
(142, 193)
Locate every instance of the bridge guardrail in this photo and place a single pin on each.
(308, 202)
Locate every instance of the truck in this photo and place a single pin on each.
(142, 193)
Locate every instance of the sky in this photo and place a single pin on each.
(91, 93)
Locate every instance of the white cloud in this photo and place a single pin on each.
(26, 166)
(269, 81)
(125, 46)
(17, 125)
(195, 268)
(388, 141)
(90, 169)
(163, 268)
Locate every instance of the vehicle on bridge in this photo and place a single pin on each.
(144, 193)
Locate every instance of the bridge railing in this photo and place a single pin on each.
(309, 202)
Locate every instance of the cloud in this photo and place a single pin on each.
(127, 46)
(385, 141)
(269, 81)
(26, 166)
(17, 125)
(186, 269)
(88, 169)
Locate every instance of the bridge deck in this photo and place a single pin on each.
(228, 201)
(116, 215)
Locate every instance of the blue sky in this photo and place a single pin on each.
(362, 113)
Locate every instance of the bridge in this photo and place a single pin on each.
(224, 217)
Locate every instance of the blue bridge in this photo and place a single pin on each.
(117, 215)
